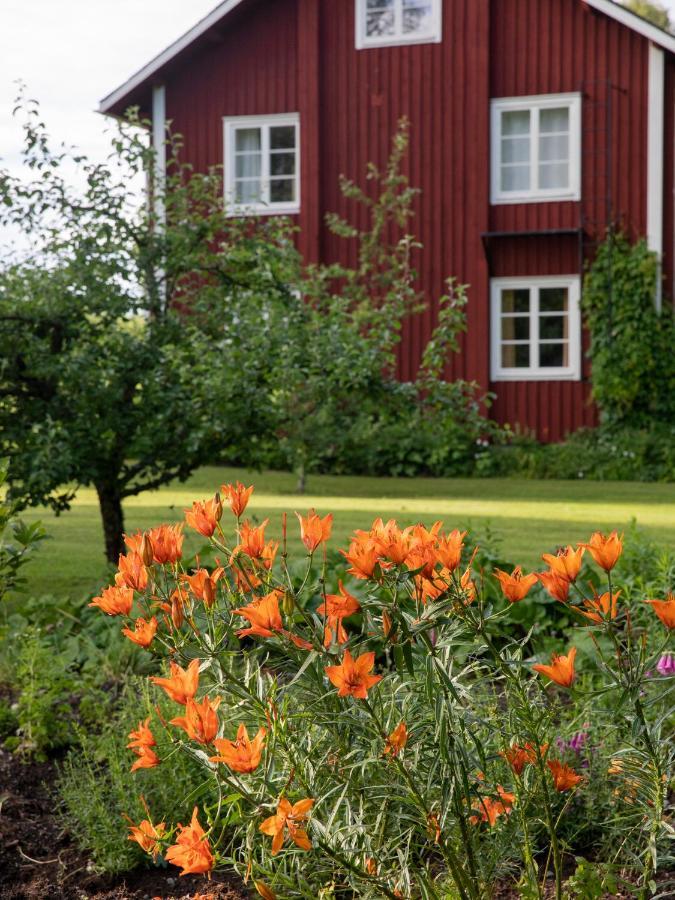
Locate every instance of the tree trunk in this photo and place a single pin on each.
(110, 504)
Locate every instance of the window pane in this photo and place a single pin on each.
(516, 328)
(554, 120)
(282, 191)
(552, 327)
(247, 191)
(515, 150)
(380, 24)
(247, 165)
(517, 300)
(247, 139)
(516, 356)
(553, 299)
(379, 4)
(553, 355)
(554, 148)
(282, 137)
(515, 178)
(516, 122)
(554, 175)
(417, 16)
(282, 164)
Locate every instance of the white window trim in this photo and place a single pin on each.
(534, 105)
(230, 124)
(572, 372)
(433, 36)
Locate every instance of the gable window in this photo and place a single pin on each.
(262, 164)
(386, 23)
(536, 329)
(536, 148)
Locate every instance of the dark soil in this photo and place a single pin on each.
(39, 861)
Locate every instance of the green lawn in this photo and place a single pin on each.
(529, 516)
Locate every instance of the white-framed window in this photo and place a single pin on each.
(262, 164)
(535, 328)
(388, 23)
(536, 148)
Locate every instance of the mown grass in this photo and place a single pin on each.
(528, 517)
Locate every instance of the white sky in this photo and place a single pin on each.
(71, 53)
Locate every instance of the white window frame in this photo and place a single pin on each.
(571, 372)
(265, 206)
(433, 36)
(534, 105)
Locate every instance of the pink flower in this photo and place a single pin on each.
(666, 665)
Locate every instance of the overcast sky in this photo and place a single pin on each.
(71, 53)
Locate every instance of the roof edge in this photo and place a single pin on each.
(615, 11)
(635, 22)
(155, 64)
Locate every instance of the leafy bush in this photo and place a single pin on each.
(17, 541)
(607, 453)
(365, 736)
(631, 342)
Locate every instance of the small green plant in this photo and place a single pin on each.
(98, 791)
(8, 720)
(17, 540)
(591, 881)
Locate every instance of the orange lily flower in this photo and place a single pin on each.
(167, 543)
(251, 539)
(490, 808)
(516, 586)
(205, 515)
(336, 608)
(141, 743)
(600, 607)
(192, 851)
(449, 549)
(561, 669)
(132, 571)
(519, 756)
(393, 543)
(182, 684)
(370, 865)
(397, 740)
(202, 584)
(566, 563)
(148, 836)
(291, 818)
(241, 755)
(314, 530)
(263, 614)
(237, 497)
(351, 676)
(363, 556)
(200, 721)
(557, 586)
(605, 550)
(143, 633)
(115, 601)
(665, 610)
(564, 777)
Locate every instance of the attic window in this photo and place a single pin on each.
(387, 23)
(262, 164)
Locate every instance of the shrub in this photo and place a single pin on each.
(366, 733)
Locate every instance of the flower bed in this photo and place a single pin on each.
(386, 734)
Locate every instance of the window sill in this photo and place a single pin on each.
(522, 199)
(537, 376)
(243, 212)
(398, 42)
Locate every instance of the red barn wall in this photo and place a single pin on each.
(299, 55)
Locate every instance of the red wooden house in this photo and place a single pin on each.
(534, 124)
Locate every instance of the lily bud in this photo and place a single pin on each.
(146, 550)
(387, 626)
(177, 616)
(217, 507)
(209, 592)
(288, 603)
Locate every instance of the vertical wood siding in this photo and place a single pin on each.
(299, 55)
